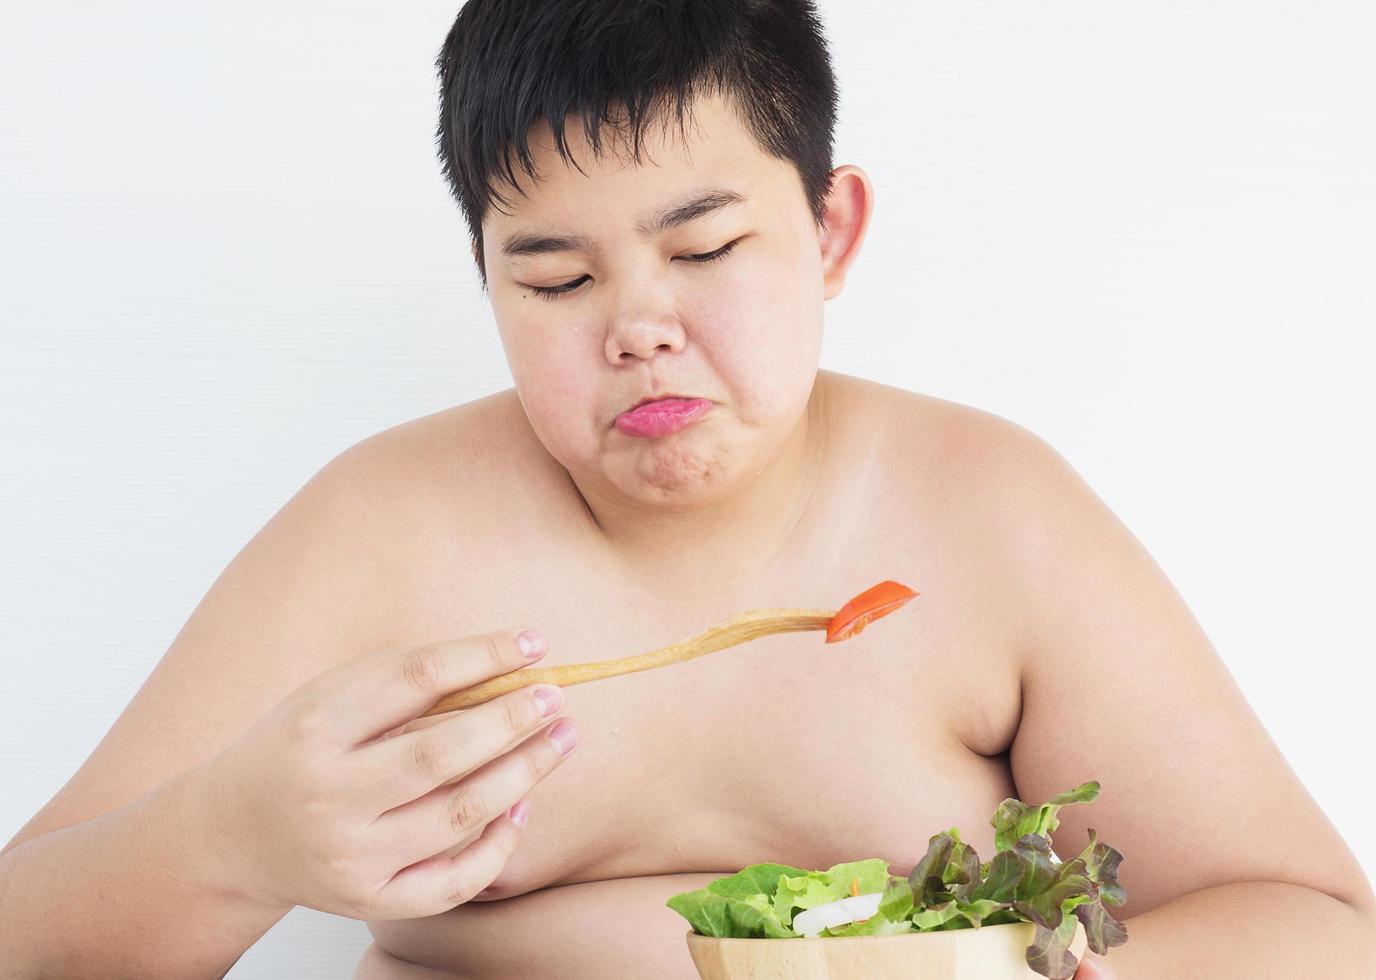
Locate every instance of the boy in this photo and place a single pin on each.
(1047, 648)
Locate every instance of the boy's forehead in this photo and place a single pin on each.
(712, 152)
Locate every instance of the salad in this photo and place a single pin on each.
(948, 889)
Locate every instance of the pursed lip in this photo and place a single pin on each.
(658, 398)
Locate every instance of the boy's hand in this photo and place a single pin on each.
(1094, 967)
(341, 799)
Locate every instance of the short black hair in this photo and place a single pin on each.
(506, 63)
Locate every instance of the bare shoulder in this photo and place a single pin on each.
(931, 431)
(481, 453)
(962, 465)
(1120, 684)
(318, 584)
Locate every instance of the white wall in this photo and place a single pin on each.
(1146, 231)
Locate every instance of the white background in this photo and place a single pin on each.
(1146, 231)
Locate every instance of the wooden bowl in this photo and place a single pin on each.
(987, 953)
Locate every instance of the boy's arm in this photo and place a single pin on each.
(136, 892)
(1230, 867)
(114, 873)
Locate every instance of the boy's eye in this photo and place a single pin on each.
(554, 292)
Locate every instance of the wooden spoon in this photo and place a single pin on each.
(840, 624)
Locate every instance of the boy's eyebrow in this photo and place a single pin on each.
(696, 205)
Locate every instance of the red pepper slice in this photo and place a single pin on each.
(868, 606)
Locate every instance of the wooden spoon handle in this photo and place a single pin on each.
(728, 633)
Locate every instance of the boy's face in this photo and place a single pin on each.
(642, 318)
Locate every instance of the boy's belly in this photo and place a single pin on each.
(620, 927)
(589, 931)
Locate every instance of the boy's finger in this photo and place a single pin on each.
(394, 688)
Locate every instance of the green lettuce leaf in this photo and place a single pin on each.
(730, 917)
(949, 870)
(753, 880)
(812, 888)
(896, 904)
(739, 906)
(1014, 819)
(938, 915)
(1102, 930)
(949, 888)
(1039, 870)
(926, 876)
(1003, 917)
(975, 912)
(1069, 889)
(1102, 863)
(1002, 875)
(1050, 953)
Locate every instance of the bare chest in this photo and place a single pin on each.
(784, 749)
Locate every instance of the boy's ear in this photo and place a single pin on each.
(850, 202)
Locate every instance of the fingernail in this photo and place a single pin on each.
(532, 644)
(549, 698)
(564, 736)
(519, 813)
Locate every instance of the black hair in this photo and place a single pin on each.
(507, 63)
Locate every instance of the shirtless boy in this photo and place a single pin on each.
(274, 757)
